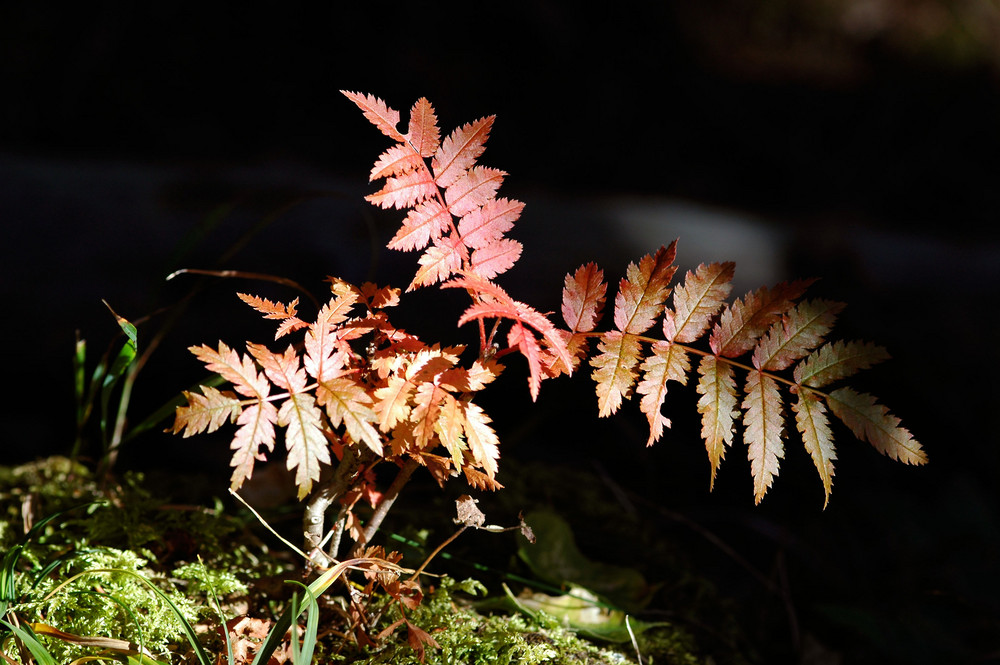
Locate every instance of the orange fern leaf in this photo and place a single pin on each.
(441, 260)
(398, 160)
(742, 323)
(482, 440)
(206, 412)
(814, 426)
(496, 258)
(614, 370)
(256, 429)
(641, 294)
(697, 301)
(349, 403)
(473, 189)
(800, 331)
(837, 360)
(487, 224)
(404, 191)
(872, 422)
(764, 430)
(240, 372)
(717, 406)
(667, 362)
(307, 446)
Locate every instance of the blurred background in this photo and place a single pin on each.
(851, 140)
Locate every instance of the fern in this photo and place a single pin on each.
(367, 392)
(772, 328)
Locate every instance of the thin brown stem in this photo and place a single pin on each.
(388, 499)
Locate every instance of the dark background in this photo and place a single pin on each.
(858, 137)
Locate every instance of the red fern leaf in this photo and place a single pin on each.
(460, 151)
(426, 222)
(423, 134)
(489, 223)
(404, 191)
(583, 298)
(697, 300)
(377, 113)
(520, 339)
(441, 260)
(398, 160)
(495, 258)
(473, 189)
(763, 431)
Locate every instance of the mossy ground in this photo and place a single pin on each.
(197, 554)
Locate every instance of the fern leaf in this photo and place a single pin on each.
(307, 447)
(520, 339)
(796, 334)
(717, 406)
(872, 422)
(283, 370)
(404, 191)
(837, 360)
(206, 412)
(392, 402)
(697, 301)
(323, 361)
(348, 403)
(667, 362)
(398, 160)
(814, 426)
(495, 258)
(642, 292)
(477, 186)
(426, 222)
(238, 371)
(440, 261)
(423, 134)
(377, 113)
(482, 440)
(424, 415)
(485, 225)
(583, 298)
(741, 324)
(460, 150)
(764, 429)
(256, 429)
(614, 370)
(448, 425)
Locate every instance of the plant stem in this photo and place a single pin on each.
(387, 500)
(313, 522)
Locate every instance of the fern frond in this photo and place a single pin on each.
(800, 331)
(642, 292)
(814, 426)
(717, 406)
(872, 422)
(304, 439)
(614, 370)
(764, 429)
(206, 412)
(426, 222)
(697, 301)
(423, 134)
(460, 151)
(837, 360)
(667, 362)
(377, 113)
(741, 324)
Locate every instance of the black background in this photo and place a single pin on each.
(868, 145)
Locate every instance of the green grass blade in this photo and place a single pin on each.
(37, 649)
